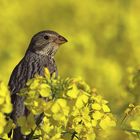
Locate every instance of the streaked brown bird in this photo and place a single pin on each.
(39, 54)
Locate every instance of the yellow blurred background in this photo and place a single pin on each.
(103, 47)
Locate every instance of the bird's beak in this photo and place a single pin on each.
(61, 40)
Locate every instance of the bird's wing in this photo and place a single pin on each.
(18, 77)
(27, 68)
(24, 71)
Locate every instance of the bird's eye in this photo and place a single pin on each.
(46, 37)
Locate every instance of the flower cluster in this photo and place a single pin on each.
(5, 108)
(71, 109)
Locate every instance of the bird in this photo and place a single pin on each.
(39, 54)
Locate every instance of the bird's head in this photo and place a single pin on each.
(46, 42)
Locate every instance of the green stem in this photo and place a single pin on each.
(125, 117)
(38, 121)
(131, 130)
